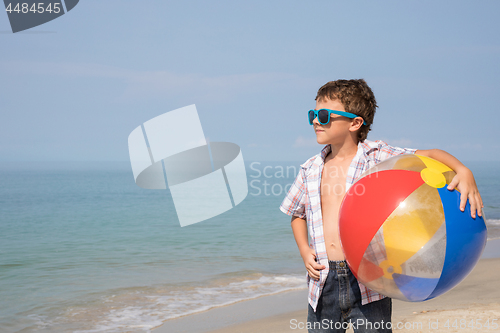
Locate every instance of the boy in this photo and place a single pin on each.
(335, 296)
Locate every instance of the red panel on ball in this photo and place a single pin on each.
(369, 271)
(366, 206)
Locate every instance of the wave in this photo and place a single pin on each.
(492, 222)
(493, 227)
(144, 308)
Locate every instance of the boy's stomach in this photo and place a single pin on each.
(332, 240)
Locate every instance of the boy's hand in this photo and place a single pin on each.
(464, 181)
(313, 268)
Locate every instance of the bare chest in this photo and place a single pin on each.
(333, 182)
(333, 187)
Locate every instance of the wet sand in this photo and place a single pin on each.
(474, 302)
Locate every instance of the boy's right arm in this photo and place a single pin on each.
(299, 227)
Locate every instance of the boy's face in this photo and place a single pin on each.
(337, 129)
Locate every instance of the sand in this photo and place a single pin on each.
(474, 302)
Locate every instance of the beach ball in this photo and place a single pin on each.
(402, 231)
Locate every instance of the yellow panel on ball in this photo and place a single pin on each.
(412, 224)
(433, 164)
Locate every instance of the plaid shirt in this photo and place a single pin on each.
(303, 200)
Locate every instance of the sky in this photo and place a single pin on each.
(74, 88)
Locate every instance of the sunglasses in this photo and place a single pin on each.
(324, 115)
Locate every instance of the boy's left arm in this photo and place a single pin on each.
(464, 180)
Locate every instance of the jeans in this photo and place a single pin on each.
(340, 303)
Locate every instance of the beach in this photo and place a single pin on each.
(85, 250)
(475, 301)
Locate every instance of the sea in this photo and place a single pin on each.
(84, 249)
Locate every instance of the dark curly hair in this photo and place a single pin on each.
(356, 97)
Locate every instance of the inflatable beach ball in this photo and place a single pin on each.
(402, 230)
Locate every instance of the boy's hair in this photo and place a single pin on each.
(356, 97)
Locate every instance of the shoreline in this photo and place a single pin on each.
(478, 296)
(254, 309)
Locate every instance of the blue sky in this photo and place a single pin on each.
(74, 88)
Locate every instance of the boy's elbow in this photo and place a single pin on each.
(427, 152)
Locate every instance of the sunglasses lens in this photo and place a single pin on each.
(323, 116)
(311, 117)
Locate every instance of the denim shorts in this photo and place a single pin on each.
(340, 304)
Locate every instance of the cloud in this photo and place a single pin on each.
(436, 51)
(401, 142)
(65, 69)
(466, 146)
(161, 83)
(301, 142)
(147, 84)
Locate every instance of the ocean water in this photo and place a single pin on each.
(83, 249)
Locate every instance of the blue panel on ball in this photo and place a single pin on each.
(415, 288)
(465, 241)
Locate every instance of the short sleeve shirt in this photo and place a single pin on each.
(303, 201)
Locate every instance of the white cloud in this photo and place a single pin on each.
(65, 69)
(147, 84)
(305, 142)
(160, 83)
(466, 146)
(400, 142)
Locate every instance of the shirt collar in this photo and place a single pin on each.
(325, 151)
(368, 146)
(364, 147)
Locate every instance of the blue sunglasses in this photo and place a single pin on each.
(324, 115)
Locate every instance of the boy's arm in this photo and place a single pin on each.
(464, 180)
(299, 227)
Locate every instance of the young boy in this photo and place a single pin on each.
(335, 296)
